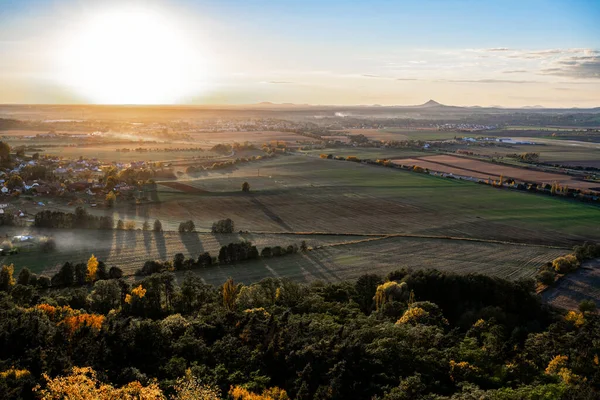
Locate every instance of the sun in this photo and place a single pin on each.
(129, 56)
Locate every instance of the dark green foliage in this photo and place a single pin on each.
(236, 252)
(322, 341)
(80, 219)
(223, 226)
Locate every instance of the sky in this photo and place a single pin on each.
(458, 52)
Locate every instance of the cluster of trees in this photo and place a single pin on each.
(231, 253)
(80, 219)
(197, 169)
(526, 157)
(223, 226)
(547, 275)
(411, 335)
(187, 226)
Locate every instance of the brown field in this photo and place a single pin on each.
(482, 169)
(182, 187)
(333, 258)
(256, 137)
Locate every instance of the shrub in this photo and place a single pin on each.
(546, 277)
(565, 264)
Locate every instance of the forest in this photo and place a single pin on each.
(408, 335)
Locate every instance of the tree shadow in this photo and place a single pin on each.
(274, 217)
(161, 247)
(192, 243)
(147, 241)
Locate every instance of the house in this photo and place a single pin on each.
(4, 190)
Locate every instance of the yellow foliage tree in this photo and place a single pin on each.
(413, 316)
(110, 199)
(576, 318)
(83, 384)
(7, 279)
(230, 292)
(75, 322)
(189, 388)
(138, 292)
(558, 366)
(274, 393)
(387, 292)
(92, 269)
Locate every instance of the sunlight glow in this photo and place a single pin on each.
(129, 55)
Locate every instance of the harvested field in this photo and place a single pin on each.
(306, 194)
(256, 137)
(334, 264)
(182, 187)
(584, 284)
(482, 169)
(128, 250)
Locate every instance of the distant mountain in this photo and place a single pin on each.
(533, 107)
(432, 103)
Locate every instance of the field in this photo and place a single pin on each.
(400, 134)
(584, 284)
(307, 194)
(333, 258)
(484, 170)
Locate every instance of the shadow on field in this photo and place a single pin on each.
(147, 241)
(119, 241)
(271, 214)
(159, 238)
(192, 243)
(314, 266)
(225, 238)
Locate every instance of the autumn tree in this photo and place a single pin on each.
(120, 225)
(110, 199)
(230, 293)
(7, 281)
(145, 226)
(92, 269)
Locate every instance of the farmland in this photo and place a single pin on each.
(333, 258)
(484, 170)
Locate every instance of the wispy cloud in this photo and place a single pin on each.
(515, 71)
(577, 67)
(485, 81)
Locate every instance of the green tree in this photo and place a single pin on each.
(157, 226)
(4, 153)
(120, 225)
(245, 187)
(24, 276)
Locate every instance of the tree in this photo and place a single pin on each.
(92, 269)
(245, 187)
(587, 306)
(4, 153)
(24, 276)
(110, 199)
(65, 276)
(14, 182)
(105, 296)
(157, 226)
(130, 225)
(178, 261)
(230, 292)
(7, 281)
(120, 225)
(115, 273)
(145, 226)
(565, 264)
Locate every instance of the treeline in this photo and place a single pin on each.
(81, 219)
(196, 169)
(423, 335)
(549, 273)
(231, 253)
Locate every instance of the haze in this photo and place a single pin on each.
(510, 53)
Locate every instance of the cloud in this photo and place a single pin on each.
(406, 79)
(515, 71)
(485, 81)
(278, 82)
(576, 67)
(498, 49)
(372, 76)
